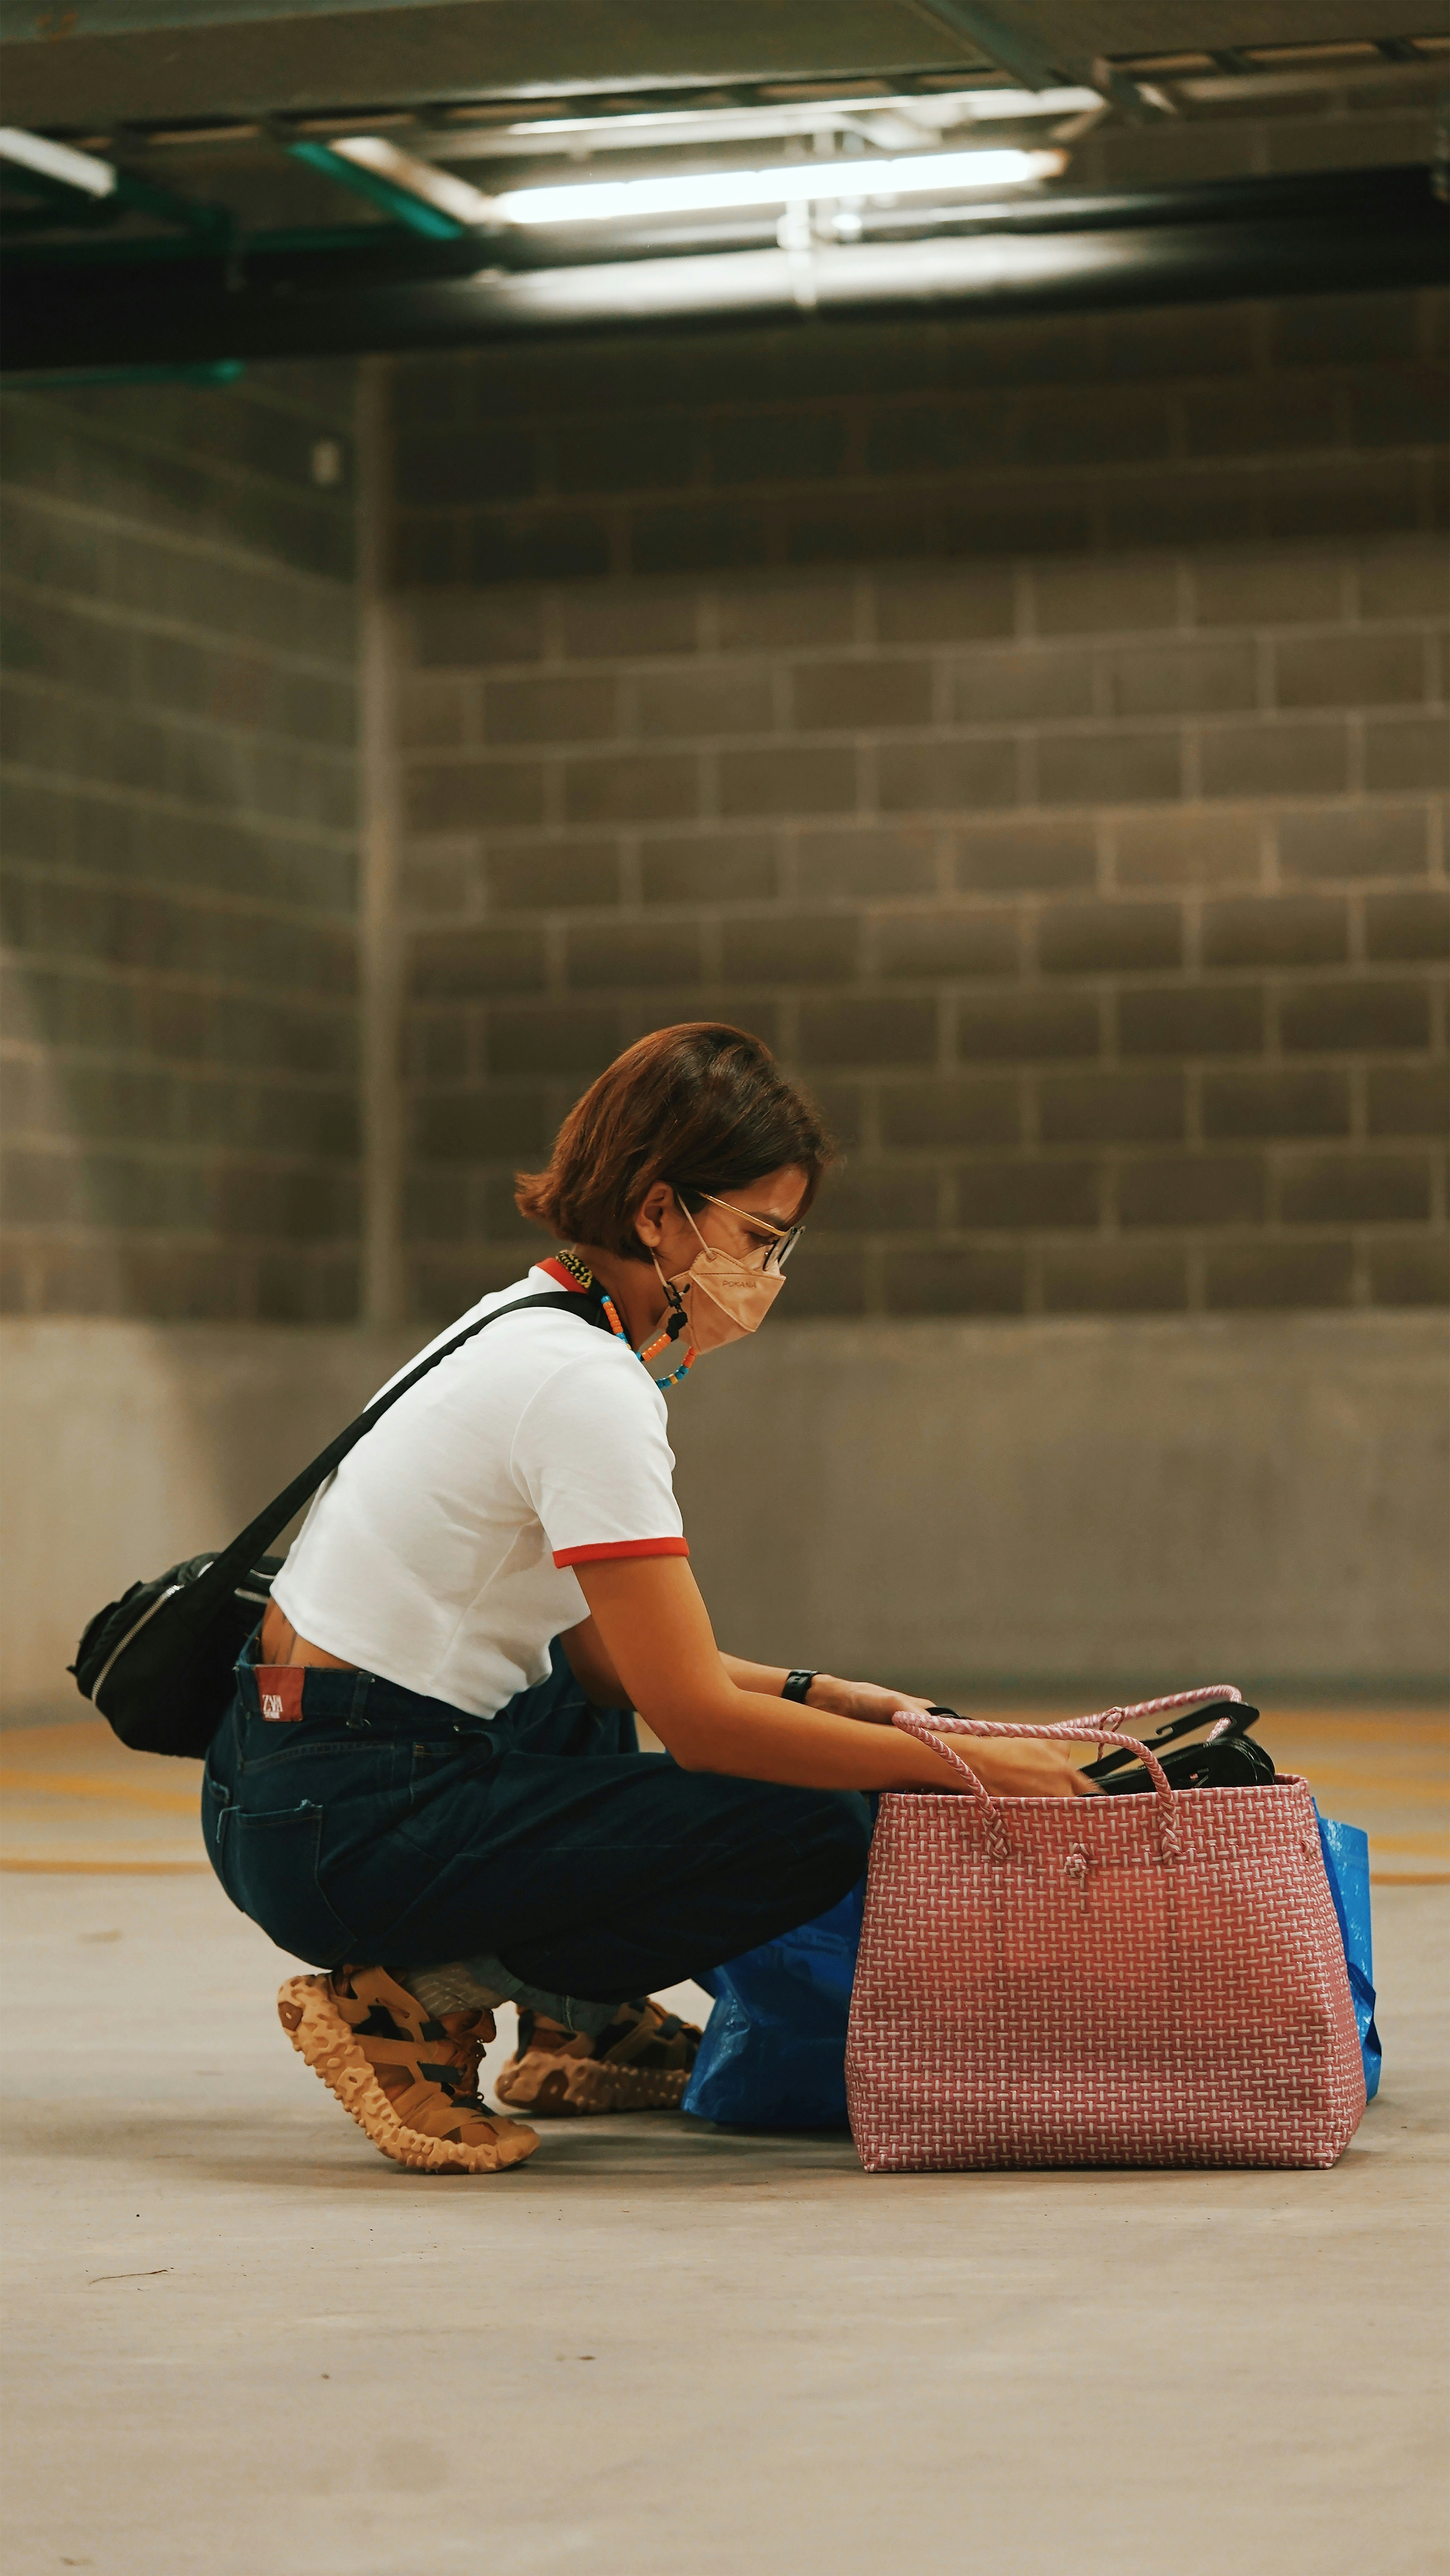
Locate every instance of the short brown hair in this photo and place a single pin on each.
(704, 1107)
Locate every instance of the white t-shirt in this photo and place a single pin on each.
(439, 1553)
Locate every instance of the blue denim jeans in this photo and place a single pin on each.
(381, 1826)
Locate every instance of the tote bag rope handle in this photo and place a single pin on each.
(1154, 1707)
(1072, 1731)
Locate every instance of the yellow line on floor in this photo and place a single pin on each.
(1427, 1727)
(1385, 1786)
(109, 1868)
(73, 1784)
(198, 1869)
(1421, 1846)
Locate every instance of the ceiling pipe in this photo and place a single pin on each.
(1337, 232)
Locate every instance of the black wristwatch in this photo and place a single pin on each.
(796, 1685)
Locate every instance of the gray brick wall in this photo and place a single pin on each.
(1031, 728)
(179, 1051)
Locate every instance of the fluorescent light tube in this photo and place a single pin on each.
(942, 107)
(793, 183)
(78, 170)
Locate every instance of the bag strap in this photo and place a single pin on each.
(1230, 1718)
(930, 1731)
(253, 1541)
(1209, 1702)
(1210, 1692)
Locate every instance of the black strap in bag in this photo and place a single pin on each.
(158, 1663)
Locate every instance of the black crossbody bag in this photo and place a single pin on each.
(158, 1663)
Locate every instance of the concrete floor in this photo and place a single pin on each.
(240, 2341)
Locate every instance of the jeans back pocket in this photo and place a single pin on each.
(268, 1864)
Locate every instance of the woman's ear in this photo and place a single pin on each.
(657, 1204)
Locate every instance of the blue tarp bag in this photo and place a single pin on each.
(1346, 1866)
(774, 2051)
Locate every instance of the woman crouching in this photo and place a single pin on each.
(429, 1783)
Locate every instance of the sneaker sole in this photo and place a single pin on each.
(583, 2089)
(318, 2032)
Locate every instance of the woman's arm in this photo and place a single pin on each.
(590, 1665)
(654, 1630)
(868, 1702)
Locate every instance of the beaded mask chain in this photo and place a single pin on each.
(580, 1271)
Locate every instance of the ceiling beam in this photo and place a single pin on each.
(452, 49)
(1008, 47)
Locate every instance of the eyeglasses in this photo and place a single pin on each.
(783, 1238)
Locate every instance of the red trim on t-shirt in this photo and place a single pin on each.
(556, 1270)
(621, 1547)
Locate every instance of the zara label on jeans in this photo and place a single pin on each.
(279, 1688)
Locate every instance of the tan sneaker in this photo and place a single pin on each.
(410, 2082)
(642, 2062)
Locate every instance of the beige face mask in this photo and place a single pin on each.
(723, 1298)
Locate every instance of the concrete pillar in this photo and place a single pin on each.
(380, 958)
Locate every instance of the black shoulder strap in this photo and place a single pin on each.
(254, 1540)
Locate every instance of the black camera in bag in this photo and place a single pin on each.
(158, 1663)
(1227, 1759)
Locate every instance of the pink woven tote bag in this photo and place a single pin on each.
(1099, 1981)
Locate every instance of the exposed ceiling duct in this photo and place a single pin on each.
(1355, 229)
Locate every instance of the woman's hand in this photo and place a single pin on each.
(1008, 1769)
(1016, 1767)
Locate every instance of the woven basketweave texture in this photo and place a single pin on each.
(1154, 1980)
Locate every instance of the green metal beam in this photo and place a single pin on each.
(398, 202)
(188, 214)
(130, 195)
